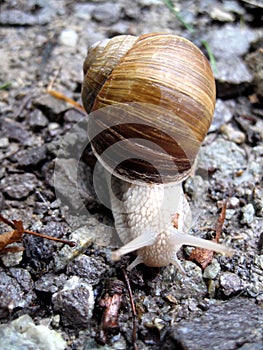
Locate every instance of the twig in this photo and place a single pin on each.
(18, 230)
(61, 96)
(25, 101)
(134, 314)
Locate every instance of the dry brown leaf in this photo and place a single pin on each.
(204, 257)
(7, 238)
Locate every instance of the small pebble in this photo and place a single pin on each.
(4, 142)
(233, 202)
(259, 261)
(230, 283)
(19, 186)
(233, 134)
(221, 15)
(248, 214)
(107, 14)
(53, 126)
(230, 213)
(68, 37)
(37, 120)
(212, 270)
(75, 303)
(12, 259)
(88, 268)
(259, 207)
(22, 333)
(222, 115)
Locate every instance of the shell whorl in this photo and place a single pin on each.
(156, 94)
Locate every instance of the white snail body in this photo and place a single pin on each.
(152, 101)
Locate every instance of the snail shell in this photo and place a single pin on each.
(152, 98)
(162, 93)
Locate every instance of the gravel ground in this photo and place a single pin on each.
(53, 296)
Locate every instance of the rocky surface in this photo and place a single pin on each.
(50, 293)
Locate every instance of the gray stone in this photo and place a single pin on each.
(222, 115)
(232, 134)
(37, 120)
(49, 283)
(221, 15)
(191, 284)
(68, 37)
(230, 283)
(107, 13)
(4, 142)
(224, 156)
(14, 131)
(93, 231)
(17, 17)
(30, 158)
(88, 268)
(232, 71)
(212, 270)
(51, 107)
(23, 334)
(72, 191)
(16, 290)
(75, 303)
(19, 186)
(248, 212)
(234, 202)
(225, 325)
(230, 41)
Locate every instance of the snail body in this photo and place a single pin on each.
(151, 101)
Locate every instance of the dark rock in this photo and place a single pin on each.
(19, 186)
(16, 290)
(73, 116)
(107, 14)
(40, 251)
(74, 303)
(255, 63)
(17, 17)
(1, 201)
(50, 283)
(37, 120)
(71, 187)
(230, 283)
(191, 284)
(226, 325)
(51, 107)
(15, 131)
(30, 158)
(88, 268)
(23, 277)
(29, 13)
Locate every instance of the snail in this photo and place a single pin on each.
(150, 101)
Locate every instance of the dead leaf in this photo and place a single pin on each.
(16, 235)
(204, 257)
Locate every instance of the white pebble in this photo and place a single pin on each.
(68, 37)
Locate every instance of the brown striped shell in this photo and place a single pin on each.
(156, 94)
